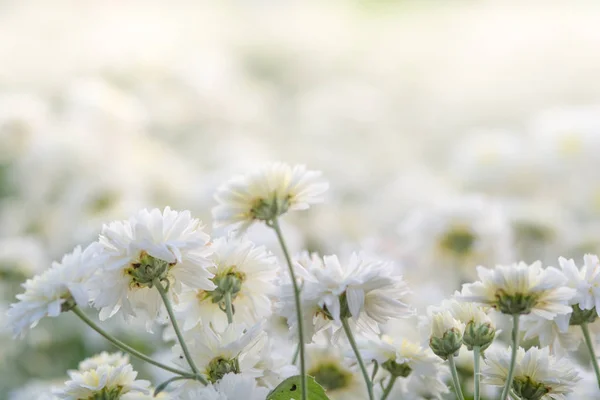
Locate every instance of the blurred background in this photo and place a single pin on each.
(454, 133)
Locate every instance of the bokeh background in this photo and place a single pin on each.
(454, 133)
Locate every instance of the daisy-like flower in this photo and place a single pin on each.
(367, 291)
(556, 334)
(58, 289)
(445, 332)
(266, 194)
(538, 375)
(400, 358)
(480, 330)
(104, 358)
(231, 387)
(108, 382)
(586, 282)
(245, 271)
(520, 289)
(236, 350)
(167, 246)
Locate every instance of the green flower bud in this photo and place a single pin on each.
(527, 389)
(477, 334)
(447, 345)
(219, 367)
(398, 370)
(513, 304)
(580, 316)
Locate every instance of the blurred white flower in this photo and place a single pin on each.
(104, 358)
(104, 381)
(247, 271)
(586, 281)
(520, 289)
(537, 375)
(57, 289)
(167, 246)
(267, 193)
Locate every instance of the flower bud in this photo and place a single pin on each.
(448, 345)
(478, 334)
(397, 370)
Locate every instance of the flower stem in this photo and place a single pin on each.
(274, 223)
(476, 378)
(388, 388)
(228, 307)
(454, 372)
(590, 346)
(186, 352)
(513, 357)
(126, 348)
(363, 369)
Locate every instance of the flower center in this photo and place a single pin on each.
(147, 269)
(528, 389)
(517, 303)
(218, 367)
(398, 370)
(331, 376)
(459, 241)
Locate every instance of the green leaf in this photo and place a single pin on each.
(291, 389)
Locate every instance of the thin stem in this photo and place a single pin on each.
(363, 369)
(295, 357)
(186, 352)
(228, 307)
(388, 388)
(513, 357)
(457, 388)
(476, 378)
(274, 223)
(590, 346)
(77, 311)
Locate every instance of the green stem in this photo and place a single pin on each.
(590, 346)
(126, 348)
(513, 357)
(186, 352)
(295, 357)
(363, 369)
(228, 307)
(476, 359)
(274, 223)
(388, 388)
(454, 372)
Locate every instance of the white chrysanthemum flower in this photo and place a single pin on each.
(169, 246)
(400, 358)
(231, 387)
(586, 282)
(521, 289)
(445, 332)
(104, 358)
(266, 194)
(57, 289)
(537, 374)
(480, 330)
(105, 381)
(215, 354)
(331, 370)
(245, 270)
(367, 291)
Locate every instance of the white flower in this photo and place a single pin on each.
(586, 281)
(367, 291)
(267, 193)
(57, 289)
(169, 246)
(104, 358)
(521, 289)
(248, 271)
(230, 387)
(106, 380)
(399, 357)
(215, 354)
(536, 371)
(556, 334)
(480, 330)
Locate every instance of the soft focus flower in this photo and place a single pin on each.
(105, 381)
(266, 194)
(231, 387)
(167, 246)
(104, 358)
(367, 291)
(586, 283)
(56, 290)
(520, 289)
(537, 376)
(241, 268)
